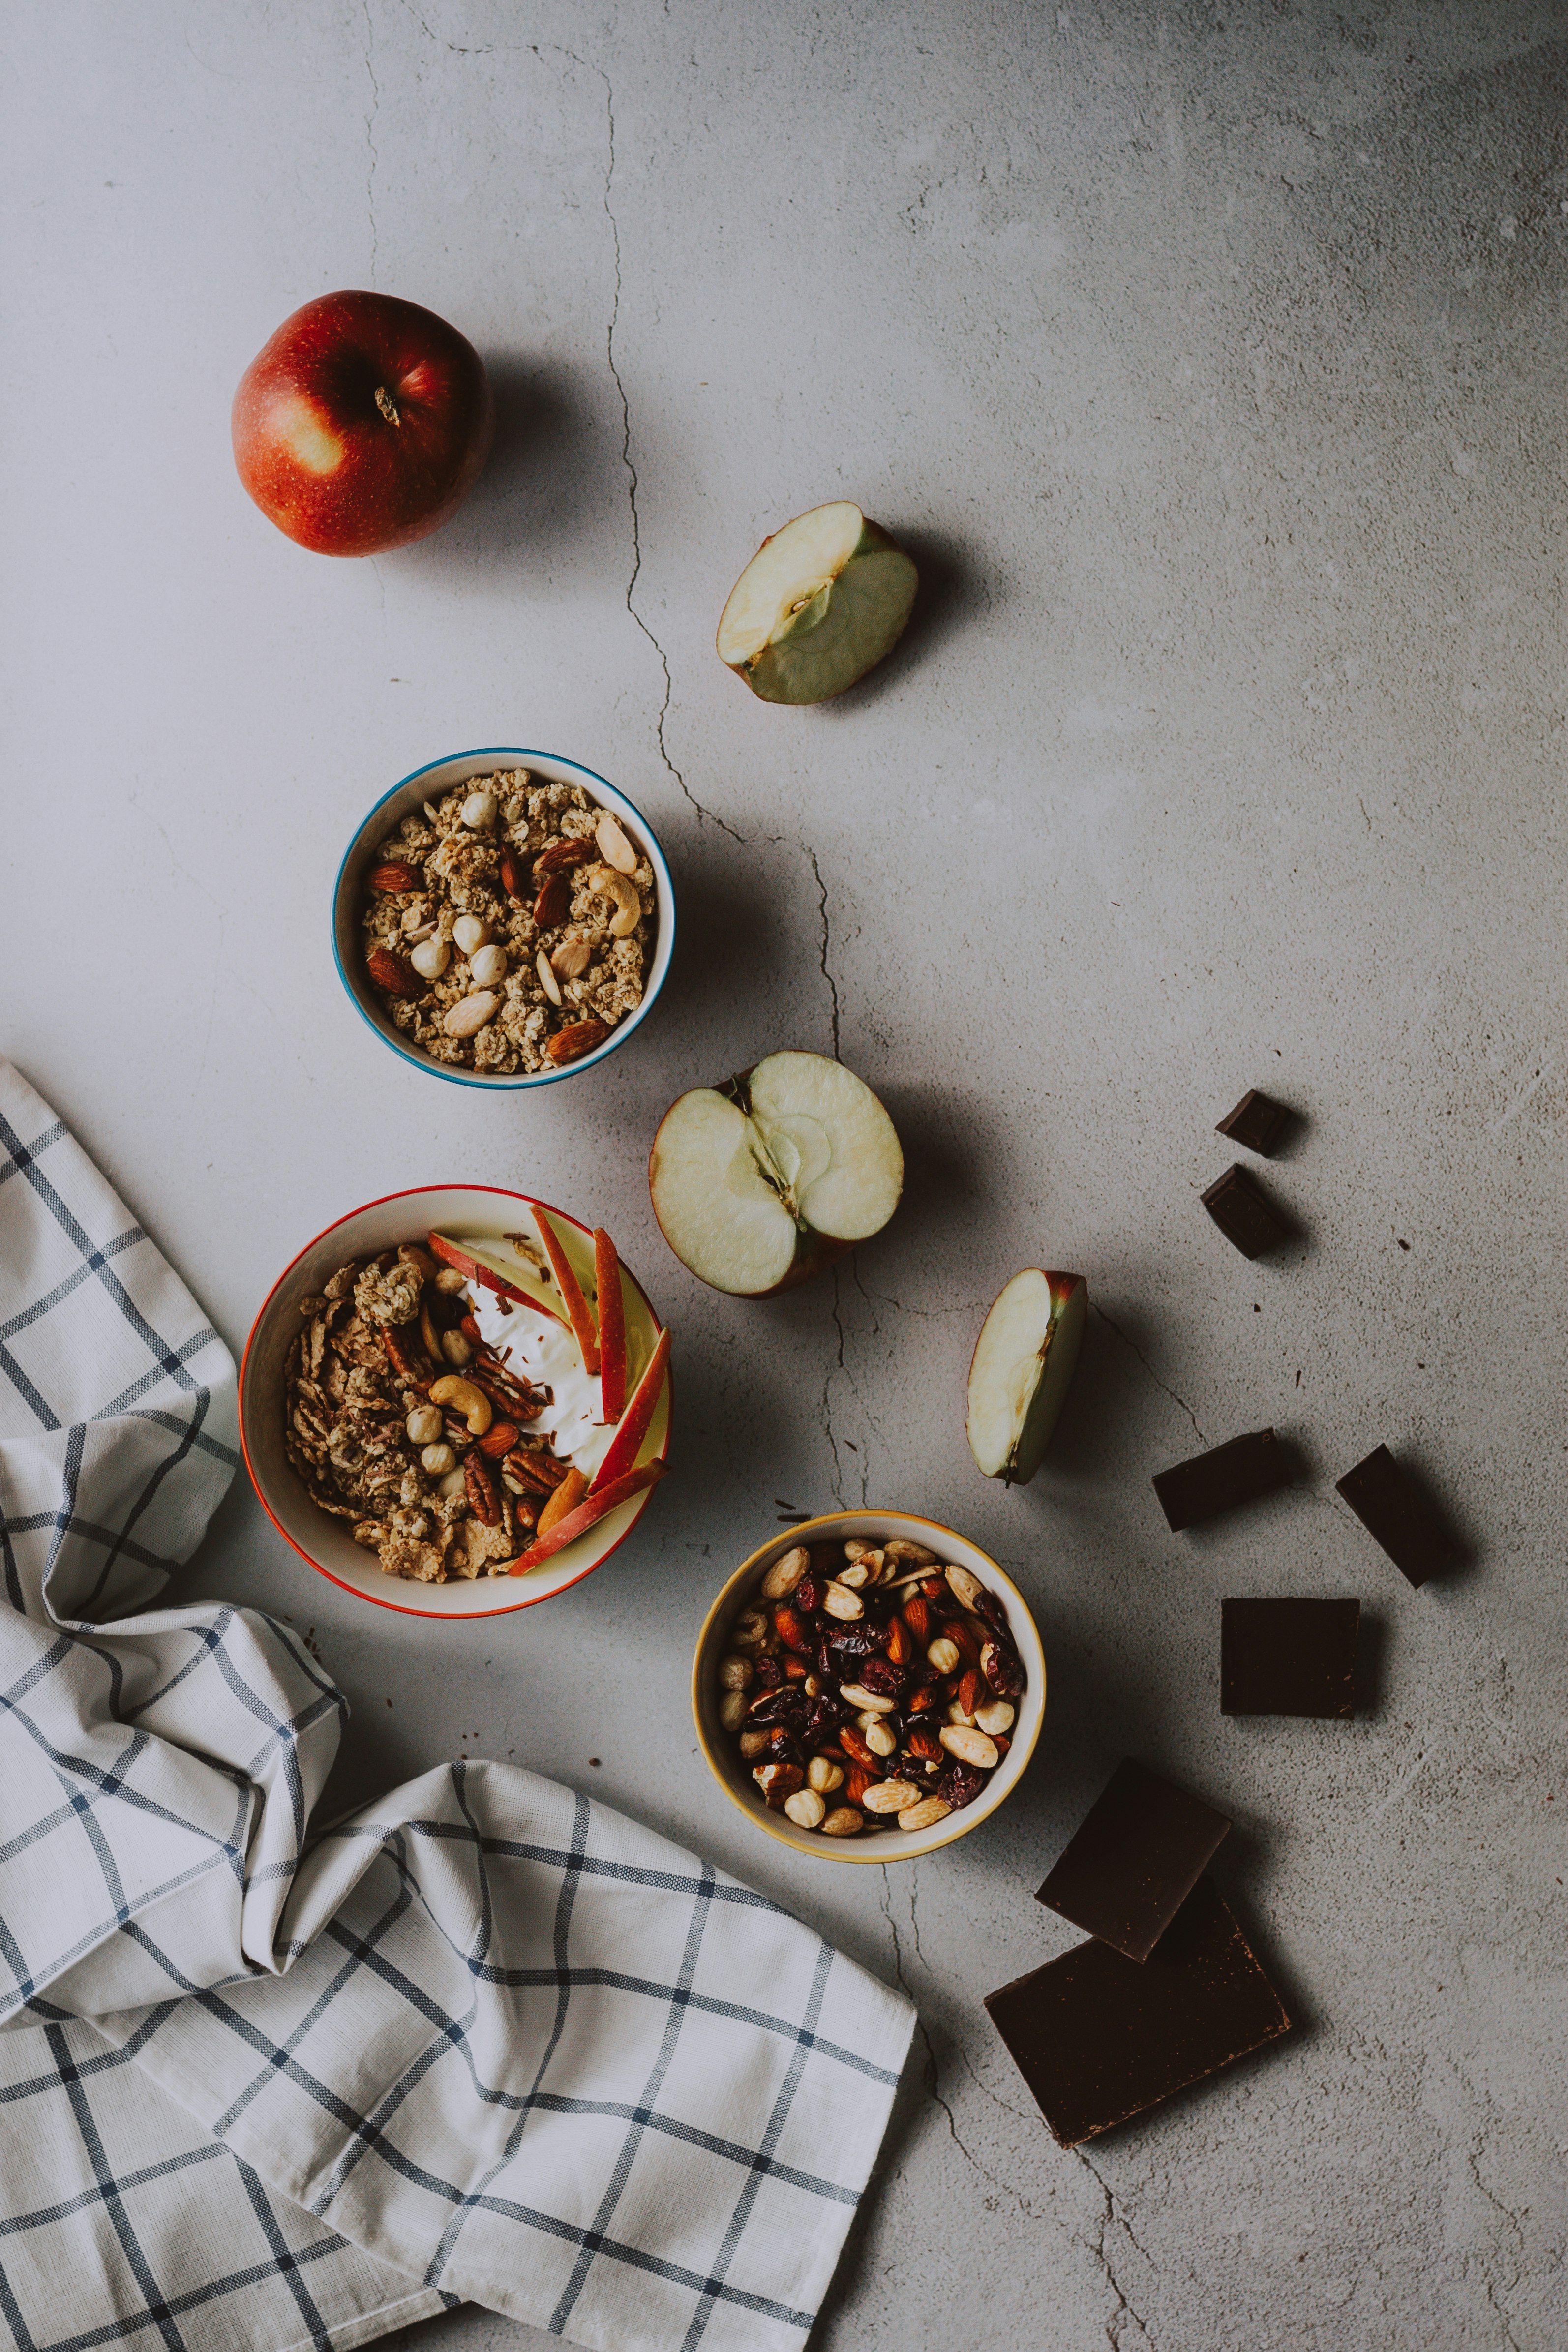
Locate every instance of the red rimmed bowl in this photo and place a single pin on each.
(481, 1213)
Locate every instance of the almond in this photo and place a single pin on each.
(571, 959)
(558, 856)
(614, 847)
(578, 1037)
(468, 1015)
(498, 1439)
(890, 1797)
(511, 875)
(392, 877)
(390, 971)
(554, 897)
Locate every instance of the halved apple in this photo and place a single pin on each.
(761, 1182)
(1022, 1370)
(505, 1267)
(818, 605)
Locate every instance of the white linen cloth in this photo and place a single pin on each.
(265, 2085)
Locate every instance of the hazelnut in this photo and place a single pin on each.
(479, 811)
(431, 957)
(423, 1425)
(436, 1460)
(487, 965)
(470, 931)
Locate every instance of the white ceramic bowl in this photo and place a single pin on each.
(483, 1212)
(426, 784)
(735, 1774)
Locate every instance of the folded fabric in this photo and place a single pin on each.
(268, 2084)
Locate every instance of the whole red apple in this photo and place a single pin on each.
(362, 424)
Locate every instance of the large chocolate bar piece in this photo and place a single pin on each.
(1237, 1471)
(1245, 1213)
(1395, 1513)
(1256, 1123)
(1141, 1850)
(1098, 2037)
(1288, 1657)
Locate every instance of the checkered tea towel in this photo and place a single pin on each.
(265, 2085)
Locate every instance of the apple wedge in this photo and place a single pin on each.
(612, 1326)
(763, 1182)
(818, 605)
(571, 1289)
(599, 1502)
(499, 1267)
(1022, 1370)
(634, 1423)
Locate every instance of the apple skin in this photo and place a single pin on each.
(1062, 1289)
(336, 467)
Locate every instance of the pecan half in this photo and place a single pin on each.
(478, 1480)
(405, 1361)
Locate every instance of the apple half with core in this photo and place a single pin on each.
(362, 424)
(1022, 1370)
(761, 1183)
(818, 605)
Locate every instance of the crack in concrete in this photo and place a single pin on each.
(826, 941)
(1149, 1368)
(370, 132)
(828, 1396)
(1125, 2309)
(1472, 2158)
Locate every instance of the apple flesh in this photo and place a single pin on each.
(1022, 1370)
(509, 1273)
(759, 1184)
(818, 605)
(362, 424)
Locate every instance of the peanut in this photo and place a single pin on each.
(734, 1674)
(880, 1739)
(943, 1654)
(856, 1695)
(997, 1716)
(805, 1808)
(732, 1710)
(823, 1775)
(843, 1822)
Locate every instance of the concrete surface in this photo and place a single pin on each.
(1211, 361)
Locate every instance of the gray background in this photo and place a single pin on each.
(1211, 362)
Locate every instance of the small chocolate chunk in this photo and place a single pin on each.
(1245, 1213)
(1142, 1848)
(1288, 1657)
(1256, 1123)
(1396, 1515)
(1237, 1471)
(1098, 2037)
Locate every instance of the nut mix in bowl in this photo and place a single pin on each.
(508, 923)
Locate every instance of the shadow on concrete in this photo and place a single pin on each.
(952, 592)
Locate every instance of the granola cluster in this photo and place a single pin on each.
(508, 926)
(400, 1419)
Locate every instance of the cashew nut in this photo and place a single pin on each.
(628, 906)
(464, 1398)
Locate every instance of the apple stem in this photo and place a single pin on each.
(386, 404)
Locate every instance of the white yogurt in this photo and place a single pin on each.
(544, 1352)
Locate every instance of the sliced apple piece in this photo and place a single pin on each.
(612, 1326)
(599, 1502)
(571, 1289)
(500, 1266)
(758, 1185)
(818, 605)
(1022, 1370)
(635, 1421)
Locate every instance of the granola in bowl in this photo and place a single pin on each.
(440, 1449)
(508, 925)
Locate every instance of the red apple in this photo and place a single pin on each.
(598, 1504)
(635, 1423)
(612, 1326)
(362, 424)
(571, 1290)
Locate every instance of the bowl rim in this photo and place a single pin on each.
(401, 1608)
(850, 1849)
(498, 1082)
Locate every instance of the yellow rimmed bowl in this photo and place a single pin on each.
(735, 1774)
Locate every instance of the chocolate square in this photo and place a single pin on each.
(1288, 1657)
(1396, 1515)
(1237, 1471)
(1141, 1850)
(1098, 2037)
(1245, 1213)
(1256, 1123)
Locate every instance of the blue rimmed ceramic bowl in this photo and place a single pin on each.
(426, 784)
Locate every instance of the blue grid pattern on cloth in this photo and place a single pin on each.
(266, 2084)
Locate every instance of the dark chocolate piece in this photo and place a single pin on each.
(1288, 1657)
(1245, 1213)
(1396, 1515)
(1256, 1123)
(1237, 1471)
(1141, 1850)
(1098, 2038)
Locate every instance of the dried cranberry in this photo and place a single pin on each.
(808, 1593)
(784, 1748)
(855, 1642)
(787, 1705)
(823, 1720)
(769, 1674)
(879, 1675)
(991, 1609)
(960, 1785)
(1002, 1668)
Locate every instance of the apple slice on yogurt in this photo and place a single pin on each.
(760, 1184)
(1022, 1370)
(818, 605)
(512, 1268)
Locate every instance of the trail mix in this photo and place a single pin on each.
(869, 1688)
(402, 1421)
(508, 925)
